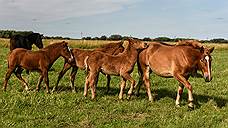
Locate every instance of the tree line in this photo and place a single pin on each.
(114, 37)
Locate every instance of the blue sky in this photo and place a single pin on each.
(199, 19)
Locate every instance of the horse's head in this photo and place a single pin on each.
(36, 38)
(39, 42)
(138, 44)
(66, 52)
(205, 63)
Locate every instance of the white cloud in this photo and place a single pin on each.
(51, 10)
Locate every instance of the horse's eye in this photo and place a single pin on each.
(203, 60)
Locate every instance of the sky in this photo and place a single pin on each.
(198, 19)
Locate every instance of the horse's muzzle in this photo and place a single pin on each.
(207, 78)
(70, 60)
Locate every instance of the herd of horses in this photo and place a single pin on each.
(179, 61)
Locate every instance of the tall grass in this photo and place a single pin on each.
(66, 109)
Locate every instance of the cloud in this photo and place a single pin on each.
(52, 10)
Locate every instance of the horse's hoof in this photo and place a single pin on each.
(74, 91)
(137, 94)
(93, 98)
(4, 89)
(178, 105)
(120, 98)
(191, 107)
(128, 97)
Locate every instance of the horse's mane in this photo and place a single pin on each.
(194, 43)
(111, 45)
(54, 45)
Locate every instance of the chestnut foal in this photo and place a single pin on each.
(119, 65)
(40, 61)
(80, 56)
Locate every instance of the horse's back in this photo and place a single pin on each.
(164, 60)
(19, 41)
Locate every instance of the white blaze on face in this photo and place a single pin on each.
(71, 56)
(207, 58)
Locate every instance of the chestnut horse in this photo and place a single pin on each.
(40, 61)
(119, 65)
(81, 54)
(177, 61)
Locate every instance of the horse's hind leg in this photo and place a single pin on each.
(122, 86)
(146, 79)
(7, 76)
(128, 77)
(61, 74)
(18, 75)
(39, 82)
(185, 82)
(93, 83)
(179, 94)
(86, 84)
(72, 78)
(108, 82)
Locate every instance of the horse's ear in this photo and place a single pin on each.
(202, 49)
(42, 36)
(125, 44)
(65, 43)
(129, 39)
(211, 49)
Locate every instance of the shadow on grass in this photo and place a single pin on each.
(158, 94)
(198, 98)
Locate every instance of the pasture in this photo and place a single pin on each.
(66, 109)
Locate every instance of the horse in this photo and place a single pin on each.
(40, 61)
(177, 61)
(19, 41)
(80, 56)
(119, 65)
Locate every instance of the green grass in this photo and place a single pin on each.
(66, 109)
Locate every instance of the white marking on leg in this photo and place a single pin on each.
(208, 66)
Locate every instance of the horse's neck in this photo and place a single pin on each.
(53, 54)
(131, 53)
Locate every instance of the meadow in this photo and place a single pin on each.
(66, 109)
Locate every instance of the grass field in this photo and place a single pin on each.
(66, 109)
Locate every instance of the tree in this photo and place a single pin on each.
(162, 39)
(115, 37)
(103, 37)
(147, 39)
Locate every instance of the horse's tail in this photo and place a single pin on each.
(86, 64)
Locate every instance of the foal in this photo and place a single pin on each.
(174, 61)
(119, 65)
(80, 56)
(40, 61)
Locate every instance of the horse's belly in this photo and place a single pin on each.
(109, 72)
(162, 71)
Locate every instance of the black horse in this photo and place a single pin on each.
(19, 41)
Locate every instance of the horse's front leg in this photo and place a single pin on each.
(8, 74)
(72, 78)
(185, 82)
(66, 67)
(39, 82)
(46, 80)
